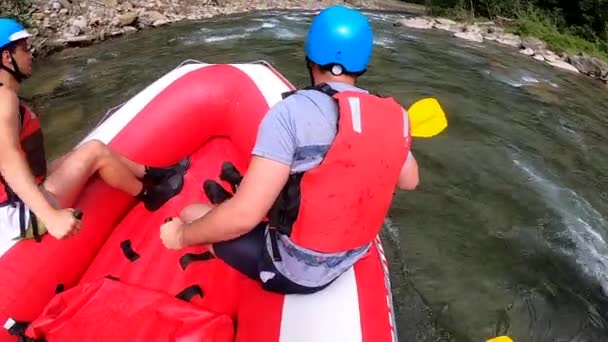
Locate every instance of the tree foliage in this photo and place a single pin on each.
(585, 18)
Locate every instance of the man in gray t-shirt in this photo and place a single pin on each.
(293, 138)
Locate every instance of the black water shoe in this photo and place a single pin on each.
(158, 174)
(156, 195)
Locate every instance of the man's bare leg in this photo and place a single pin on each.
(74, 170)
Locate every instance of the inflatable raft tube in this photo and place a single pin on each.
(116, 281)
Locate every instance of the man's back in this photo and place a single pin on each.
(300, 129)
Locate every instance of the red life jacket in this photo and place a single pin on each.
(341, 204)
(32, 147)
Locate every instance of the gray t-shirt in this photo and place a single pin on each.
(298, 131)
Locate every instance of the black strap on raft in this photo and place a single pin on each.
(128, 251)
(109, 276)
(188, 258)
(231, 175)
(189, 292)
(60, 288)
(215, 192)
(18, 330)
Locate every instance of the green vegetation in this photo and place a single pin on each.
(566, 25)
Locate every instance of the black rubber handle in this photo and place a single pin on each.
(168, 219)
(78, 214)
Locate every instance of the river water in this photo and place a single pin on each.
(507, 232)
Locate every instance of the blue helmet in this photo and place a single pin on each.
(340, 35)
(11, 31)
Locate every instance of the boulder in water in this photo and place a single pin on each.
(449, 27)
(418, 23)
(125, 19)
(539, 58)
(589, 65)
(532, 43)
(471, 36)
(563, 65)
(444, 21)
(509, 39)
(527, 52)
(148, 18)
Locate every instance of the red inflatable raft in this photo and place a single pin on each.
(116, 282)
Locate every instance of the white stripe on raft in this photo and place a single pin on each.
(330, 315)
(269, 84)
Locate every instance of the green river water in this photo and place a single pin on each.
(507, 231)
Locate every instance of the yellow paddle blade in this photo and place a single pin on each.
(427, 119)
(500, 339)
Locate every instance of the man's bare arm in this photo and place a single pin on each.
(13, 165)
(408, 178)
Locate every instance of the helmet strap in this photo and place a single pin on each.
(15, 72)
(309, 67)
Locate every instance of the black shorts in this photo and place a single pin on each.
(248, 254)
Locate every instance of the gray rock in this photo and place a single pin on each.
(471, 36)
(418, 23)
(533, 43)
(549, 55)
(563, 65)
(509, 39)
(473, 29)
(449, 27)
(79, 22)
(37, 16)
(65, 3)
(495, 30)
(160, 22)
(539, 58)
(116, 33)
(444, 21)
(81, 40)
(129, 29)
(490, 37)
(150, 17)
(126, 19)
(588, 65)
(527, 52)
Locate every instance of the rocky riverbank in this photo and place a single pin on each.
(58, 24)
(529, 46)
